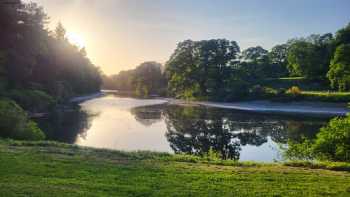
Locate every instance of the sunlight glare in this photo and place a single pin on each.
(75, 39)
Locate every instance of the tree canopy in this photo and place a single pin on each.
(339, 73)
(38, 68)
(201, 68)
(28, 49)
(146, 79)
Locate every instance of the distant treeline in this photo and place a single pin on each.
(218, 70)
(145, 80)
(38, 68)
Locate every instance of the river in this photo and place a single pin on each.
(152, 124)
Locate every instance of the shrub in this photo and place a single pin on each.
(15, 124)
(32, 100)
(332, 143)
(294, 90)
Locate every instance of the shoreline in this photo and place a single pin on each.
(257, 106)
(78, 99)
(264, 106)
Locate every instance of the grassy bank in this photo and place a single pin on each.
(53, 169)
(326, 96)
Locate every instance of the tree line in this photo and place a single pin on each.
(217, 69)
(145, 80)
(38, 67)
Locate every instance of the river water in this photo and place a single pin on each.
(151, 124)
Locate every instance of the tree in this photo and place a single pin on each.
(330, 144)
(257, 63)
(181, 73)
(201, 69)
(339, 72)
(309, 57)
(278, 58)
(148, 79)
(14, 123)
(254, 53)
(303, 60)
(60, 32)
(343, 36)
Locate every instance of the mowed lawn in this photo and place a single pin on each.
(51, 169)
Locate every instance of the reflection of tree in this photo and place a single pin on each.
(148, 115)
(196, 130)
(66, 124)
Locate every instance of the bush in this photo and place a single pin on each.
(32, 100)
(295, 91)
(15, 124)
(332, 143)
(260, 92)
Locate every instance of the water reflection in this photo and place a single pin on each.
(127, 124)
(196, 130)
(148, 116)
(67, 124)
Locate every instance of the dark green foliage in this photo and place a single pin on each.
(202, 69)
(278, 59)
(254, 53)
(301, 82)
(38, 68)
(331, 143)
(15, 124)
(303, 60)
(29, 54)
(32, 100)
(309, 57)
(343, 36)
(339, 72)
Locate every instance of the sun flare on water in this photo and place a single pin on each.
(75, 39)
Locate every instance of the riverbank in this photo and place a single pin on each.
(82, 98)
(54, 169)
(302, 107)
(314, 108)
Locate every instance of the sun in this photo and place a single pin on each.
(75, 39)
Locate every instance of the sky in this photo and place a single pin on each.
(121, 34)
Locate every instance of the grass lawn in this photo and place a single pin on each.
(326, 96)
(52, 169)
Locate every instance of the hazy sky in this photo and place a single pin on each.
(120, 34)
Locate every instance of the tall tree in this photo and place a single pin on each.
(343, 36)
(254, 53)
(201, 69)
(278, 58)
(310, 57)
(339, 73)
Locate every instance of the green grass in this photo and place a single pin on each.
(311, 90)
(326, 96)
(55, 169)
(302, 83)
